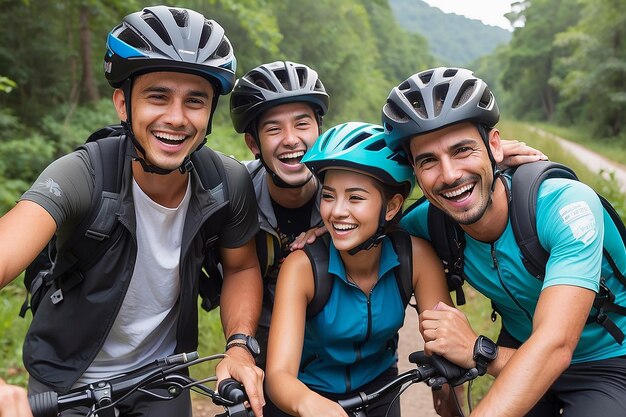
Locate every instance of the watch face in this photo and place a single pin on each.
(486, 348)
(254, 345)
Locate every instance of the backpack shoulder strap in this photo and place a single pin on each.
(403, 246)
(525, 182)
(92, 236)
(317, 252)
(210, 168)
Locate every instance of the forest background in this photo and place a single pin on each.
(560, 69)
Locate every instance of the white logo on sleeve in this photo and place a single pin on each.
(579, 218)
(51, 186)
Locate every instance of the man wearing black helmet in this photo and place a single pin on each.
(279, 108)
(548, 361)
(138, 301)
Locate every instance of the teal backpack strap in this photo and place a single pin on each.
(317, 252)
(403, 246)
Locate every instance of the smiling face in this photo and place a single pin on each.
(170, 114)
(453, 170)
(286, 132)
(351, 205)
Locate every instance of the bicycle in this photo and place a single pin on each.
(434, 370)
(167, 375)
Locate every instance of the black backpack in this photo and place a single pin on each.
(448, 239)
(318, 255)
(56, 270)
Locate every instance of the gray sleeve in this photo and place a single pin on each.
(242, 222)
(64, 190)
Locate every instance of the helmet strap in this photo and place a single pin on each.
(376, 238)
(186, 166)
(484, 134)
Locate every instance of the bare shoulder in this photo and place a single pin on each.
(296, 272)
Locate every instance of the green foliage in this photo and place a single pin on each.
(13, 328)
(453, 39)
(6, 85)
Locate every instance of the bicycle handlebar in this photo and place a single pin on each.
(435, 370)
(166, 373)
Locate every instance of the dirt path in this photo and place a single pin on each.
(415, 402)
(593, 160)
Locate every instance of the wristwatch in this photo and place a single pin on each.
(485, 351)
(244, 341)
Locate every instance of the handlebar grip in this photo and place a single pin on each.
(45, 404)
(442, 366)
(232, 390)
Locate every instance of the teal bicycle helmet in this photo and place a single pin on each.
(360, 146)
(436, 98)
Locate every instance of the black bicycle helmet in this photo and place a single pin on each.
(436, 98)
(269, 85)
(165, 38)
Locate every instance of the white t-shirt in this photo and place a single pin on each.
(145, 327)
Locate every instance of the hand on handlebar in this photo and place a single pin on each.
(239, 365)
(447, 332)
(13, 401)
(314, 405)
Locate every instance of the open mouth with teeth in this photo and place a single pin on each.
(170, 139)
(460, 193)
(291, 158)
(342, 227)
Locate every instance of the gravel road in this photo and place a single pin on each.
(594, 161)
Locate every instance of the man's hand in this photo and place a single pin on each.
(307, 237)
(239, 364)
(518, 153)
(13, 401)
(447, 332)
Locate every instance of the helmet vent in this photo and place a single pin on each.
(259, 80)
(417, 102)
(466, 93)
(223, 50)
(158, 28)
(205, 35)
(425, 77)
(486, 99)
(302, 73)
(283, 78)
(133, 39)
(376, 145)
(357, 139)
(450, 72)
(392, 111)
(439, 96)
(181, 17)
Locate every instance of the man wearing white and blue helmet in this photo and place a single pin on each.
(137, 300)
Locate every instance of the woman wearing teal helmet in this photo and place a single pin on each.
(349, 343)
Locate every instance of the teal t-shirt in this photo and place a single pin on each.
(572, 226)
